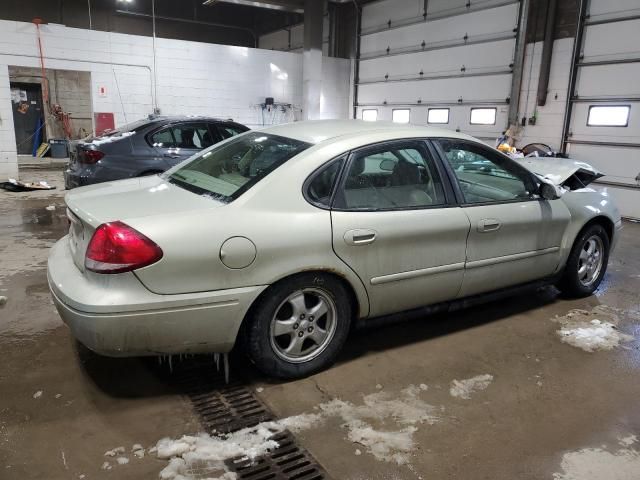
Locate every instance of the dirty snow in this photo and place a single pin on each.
(628, 440)
(383, 424)
(50, 208)
(116, 451)
(464, 388)
(38, 394)
(581, 329)
(600, 464)
(122, 460)
(106, 466)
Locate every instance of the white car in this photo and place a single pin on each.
(285, 236)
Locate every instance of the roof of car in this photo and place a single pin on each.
(316, 131)
(183, 118)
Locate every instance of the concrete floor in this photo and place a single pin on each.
(551, 410)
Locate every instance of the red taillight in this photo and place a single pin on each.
(116, 247)
(90, 156)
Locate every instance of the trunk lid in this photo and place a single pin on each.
(565, 172)
(91, 206)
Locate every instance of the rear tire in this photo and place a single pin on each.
(299, 325)
(587, 263)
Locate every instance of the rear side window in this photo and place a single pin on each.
(400, 175)
(321, 184)
(227, 170)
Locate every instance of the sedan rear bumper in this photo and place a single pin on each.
(115, 315)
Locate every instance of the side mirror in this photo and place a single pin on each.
(549, 191)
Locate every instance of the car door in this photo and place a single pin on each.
(395, 224)
(515, 235)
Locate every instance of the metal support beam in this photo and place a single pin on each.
(312, 58)
(295, 6)
(518, 62)
(547, 51)
(356, 60)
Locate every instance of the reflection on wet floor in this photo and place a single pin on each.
(555, 407)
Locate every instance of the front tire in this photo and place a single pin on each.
(587, 263)
(299, 325)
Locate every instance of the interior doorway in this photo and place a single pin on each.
(28, 116)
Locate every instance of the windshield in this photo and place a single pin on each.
(226, 171)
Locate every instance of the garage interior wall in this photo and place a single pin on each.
(193, 78)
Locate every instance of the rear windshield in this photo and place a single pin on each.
(226, 171)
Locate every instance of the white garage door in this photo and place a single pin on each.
(604, 124)
(449, 66)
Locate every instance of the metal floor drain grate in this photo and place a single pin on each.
(287, 462)
(226, 408)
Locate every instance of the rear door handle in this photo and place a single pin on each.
(360, 236)
(489, 225)
(171, 155)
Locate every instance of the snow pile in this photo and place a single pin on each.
(384, 425)
(112, 138)
(600, 464)
(38, 394)
(581, 330)
(190, 452)
(628, 440)
(464, 388)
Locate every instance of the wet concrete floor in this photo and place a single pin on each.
(551, 410)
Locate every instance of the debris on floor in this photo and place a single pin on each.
(14, 185)
(3, 299)
(114, 452)
(38, 394)
(464, 388)
(50, 208)
(581, 329)
(384, 424)
(600, 463)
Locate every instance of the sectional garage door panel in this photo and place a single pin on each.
(476, 89)
(607, 74)
(611, 41)
(479, 58)
(459, 56)
(476, 26)
(607, 7)
(379, 13)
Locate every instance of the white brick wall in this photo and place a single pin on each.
(548, 127)
(193, 78)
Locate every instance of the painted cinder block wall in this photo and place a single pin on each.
(193, 78)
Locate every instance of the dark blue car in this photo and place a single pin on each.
(145, 147)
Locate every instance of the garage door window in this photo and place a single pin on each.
(370, 115)
(483, 116)
(398, 176)
(608, 116)
(485, 176)
(438, 115)
(401, 115)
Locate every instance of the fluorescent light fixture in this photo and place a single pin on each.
(608, 116)
(438, 115)
(370, 115)
(483, 116)
(401, 115)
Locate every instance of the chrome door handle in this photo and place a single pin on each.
(360, 236)
(489, 225)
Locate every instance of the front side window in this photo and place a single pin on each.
(226, 171)
(486, 176)
(395, 176)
